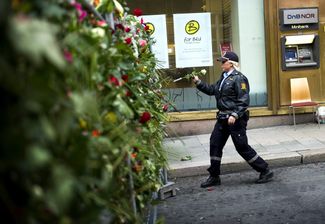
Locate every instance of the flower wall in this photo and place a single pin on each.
(82, 118)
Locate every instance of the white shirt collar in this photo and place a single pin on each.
(228, 73)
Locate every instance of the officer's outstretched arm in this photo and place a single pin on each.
(206, 88)
(242, 90)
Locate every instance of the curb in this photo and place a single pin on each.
(274, 160)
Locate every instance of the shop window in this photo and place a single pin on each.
(229, 28)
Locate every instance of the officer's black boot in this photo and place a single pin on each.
(211, 181)
(265, 176)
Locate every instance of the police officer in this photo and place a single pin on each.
(232, 94)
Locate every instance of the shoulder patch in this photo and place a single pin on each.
(243, 86)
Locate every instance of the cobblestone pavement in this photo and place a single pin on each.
(296, 195)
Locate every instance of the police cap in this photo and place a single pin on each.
(229, 56)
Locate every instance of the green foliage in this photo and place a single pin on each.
(82, 115)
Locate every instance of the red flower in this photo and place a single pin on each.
(68, 56)
(137, 12)
(113, 80)
(142, 43)
(95, 133)
(119, 26)
(146, 28)
(133, 155)
(128, 40)
(165, 107)
(125, 78)
(127, 29)
(128, 93)
(146, 116)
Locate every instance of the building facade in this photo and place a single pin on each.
(275, 40)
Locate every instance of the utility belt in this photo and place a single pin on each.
(224, 115)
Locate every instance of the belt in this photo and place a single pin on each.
(222, 115)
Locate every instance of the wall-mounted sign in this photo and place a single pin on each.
(158, 31)
(299, 19)
(193, 42)
(224, 47)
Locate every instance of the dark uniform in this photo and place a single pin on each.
(232, 100)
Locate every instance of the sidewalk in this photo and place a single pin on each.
(279, 146)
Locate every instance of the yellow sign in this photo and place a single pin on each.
(192, 27)
(151, 28)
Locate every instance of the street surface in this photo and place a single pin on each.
(295, 196)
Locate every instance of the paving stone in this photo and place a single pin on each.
(204, 139)
(277, 148)
(293, 145)
(312, 144)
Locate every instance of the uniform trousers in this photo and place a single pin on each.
(237, 131)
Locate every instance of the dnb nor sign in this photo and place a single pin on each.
(299, 19)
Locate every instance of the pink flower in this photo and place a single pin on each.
(146, 116)
(81, 13)
(68, 56)
(128, 40)
(101, 23)
(142, 43)
(137, 12)
(77, 5)
(85, 133)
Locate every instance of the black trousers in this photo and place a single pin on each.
(219, 137)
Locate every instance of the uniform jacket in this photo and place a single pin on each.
(233, 97)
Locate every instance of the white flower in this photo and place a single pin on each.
(135, 49)
(103, 46)
(203, 71)
(98, 32)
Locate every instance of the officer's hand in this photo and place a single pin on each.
(231, 120)
(195, 78)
